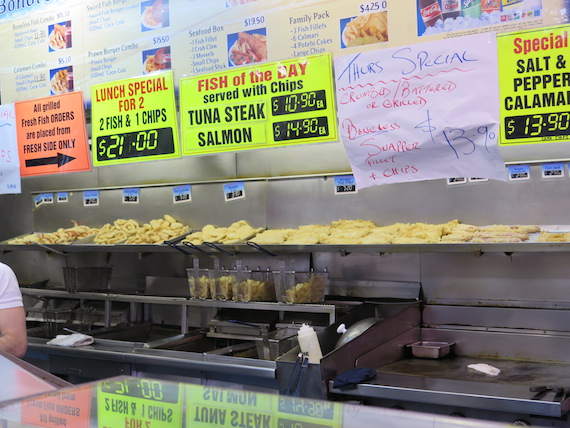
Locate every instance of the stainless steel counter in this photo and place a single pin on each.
(449, 382)
(107, 358)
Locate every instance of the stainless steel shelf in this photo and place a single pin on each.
(281, 249)
(182, 301)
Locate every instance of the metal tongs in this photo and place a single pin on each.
(296, 379)
(541, 391)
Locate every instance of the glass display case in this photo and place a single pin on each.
(22, 379)
(152, 403)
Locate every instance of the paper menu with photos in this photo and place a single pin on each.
(61, 45)
(42, 51)
(400, 111)
(9, 162)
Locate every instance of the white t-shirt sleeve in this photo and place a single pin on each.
(10, 295)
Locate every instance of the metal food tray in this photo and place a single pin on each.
(430, 349)
(174, 240)
(478, 248)
(77, 241)
(217, 243)
(7, 241)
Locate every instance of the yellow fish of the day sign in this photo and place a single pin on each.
(134, 120)
(534, 86)
(209, 406)
(266, 105)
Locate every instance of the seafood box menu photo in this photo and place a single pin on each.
(247, 47)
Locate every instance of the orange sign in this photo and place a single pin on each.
(51, 135)
(71, 408)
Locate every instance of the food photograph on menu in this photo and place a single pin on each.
(157, 59)
(61, 80)
(364, 30)
(440, 16)
(59, 36)
(154, 15)
(247, 47)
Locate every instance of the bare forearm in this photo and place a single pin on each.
(13, 339)
(14, 345)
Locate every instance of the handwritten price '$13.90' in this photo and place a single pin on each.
(461, 141)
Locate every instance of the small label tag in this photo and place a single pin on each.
(38, 200)
(456, 180)
(91, 198)
(344, 184)
(182, 194)
(234, 191)
(553, 170)
(131, 196)
(519, 172)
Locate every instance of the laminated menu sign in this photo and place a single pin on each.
(296, 412)
(10, 181)
(421, 112)
(209, 406)
(267, 105)
(58, 409)
(51, 135)
(139, 402)
(534, 86)
(134, 120)
(223, 407)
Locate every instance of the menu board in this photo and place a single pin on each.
(272, 104)
(534, 86)
(58, 46)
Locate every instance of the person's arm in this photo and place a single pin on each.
(13, 339)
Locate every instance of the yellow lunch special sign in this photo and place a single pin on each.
(534, 86)
(134, 120)
(138, 402)
(267, 105)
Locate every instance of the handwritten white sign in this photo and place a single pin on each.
(10, 181)
(421, 112)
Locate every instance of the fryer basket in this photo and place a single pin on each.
(87, 278)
